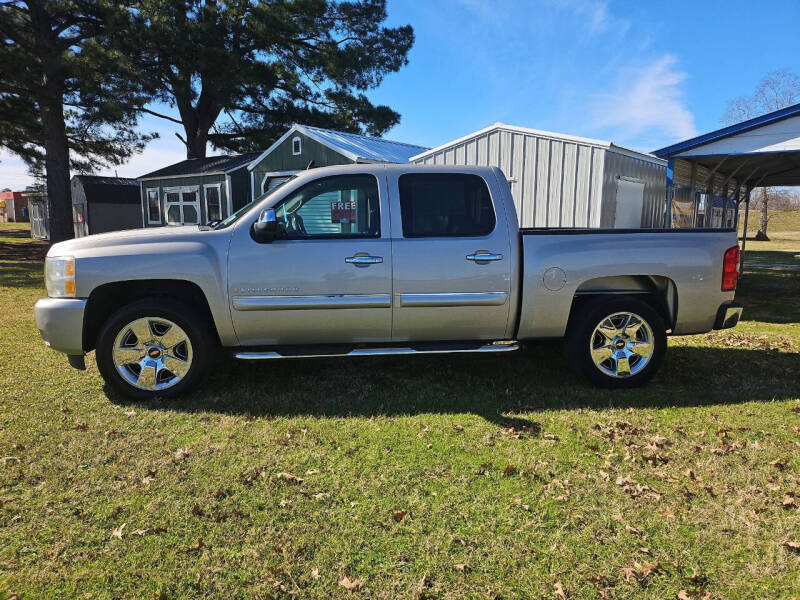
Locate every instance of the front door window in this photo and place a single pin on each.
(339, 206)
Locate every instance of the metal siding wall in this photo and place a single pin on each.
(568, 187)
(556, 182)
(583, 175)
(517, 144)
(541, 182)
(527, 198)
(554, 187)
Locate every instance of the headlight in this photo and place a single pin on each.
(59, 276)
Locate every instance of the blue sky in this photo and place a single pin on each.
(641, 74)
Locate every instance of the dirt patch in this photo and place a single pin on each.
(33, 251)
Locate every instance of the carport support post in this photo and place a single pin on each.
(747, 191)
(670, 182)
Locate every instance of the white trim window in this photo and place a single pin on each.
(297, 146)
(273, 179)
(182, 205)
(153, 206)
(213, 201)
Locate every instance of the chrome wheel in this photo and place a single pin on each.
(621, 344)
(152, 353)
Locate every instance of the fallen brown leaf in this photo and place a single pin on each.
(461, 568)
(509, 470)
(780, 463)
(117, 533)
(289, 477)
(559, 590)
(398, 515)
(633, 530)
(350, 586)
(793, 546)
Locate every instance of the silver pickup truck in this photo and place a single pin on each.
(372, 259)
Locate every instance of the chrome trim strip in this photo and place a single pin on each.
(454, 299)
(507, 347)
(245, 303)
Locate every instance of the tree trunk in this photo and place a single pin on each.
(56, 144)
(761, 235)
(196, 143)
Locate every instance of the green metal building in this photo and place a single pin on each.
(304, 145)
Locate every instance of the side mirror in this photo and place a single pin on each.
(266, 228)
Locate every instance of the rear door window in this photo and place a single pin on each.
(445, 205)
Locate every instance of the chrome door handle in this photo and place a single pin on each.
(484, 257)
(363, 260)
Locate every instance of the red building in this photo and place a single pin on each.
(13, 207)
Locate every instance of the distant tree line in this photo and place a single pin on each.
(77, 75)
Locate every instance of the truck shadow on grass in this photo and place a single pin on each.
(494, 387)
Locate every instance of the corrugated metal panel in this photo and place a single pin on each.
(559, 182)
(362, 146)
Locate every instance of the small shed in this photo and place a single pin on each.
(13, 207)
(196, 190)
(560, 180)
(39, 212)
(303, 145)
(101, 204)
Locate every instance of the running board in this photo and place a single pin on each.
(269, 355)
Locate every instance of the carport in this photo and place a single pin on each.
(709, 176)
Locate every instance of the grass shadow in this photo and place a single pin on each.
(493, 387)
(21, 274)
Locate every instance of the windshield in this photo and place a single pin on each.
(248, 207)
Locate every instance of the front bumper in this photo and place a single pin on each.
(728, 315)
(60, 321)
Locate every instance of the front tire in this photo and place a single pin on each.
(152, 348)
(617, 343)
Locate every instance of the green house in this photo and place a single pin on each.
(303, 146)
(196, 190)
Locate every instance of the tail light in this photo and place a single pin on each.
(730, 269)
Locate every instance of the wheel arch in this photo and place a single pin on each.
(659, 292)
(105, 299)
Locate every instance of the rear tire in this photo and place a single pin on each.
(617, 342)
(154, 348)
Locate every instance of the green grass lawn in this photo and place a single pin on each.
(440, 477)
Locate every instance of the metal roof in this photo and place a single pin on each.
(358, 148)
(542, 134)
(763, 151)
(713, 136)
(203, 166)
(105, 180)
(99, 188)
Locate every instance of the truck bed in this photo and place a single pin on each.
(682, 268)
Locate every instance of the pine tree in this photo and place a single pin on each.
(67, 99)
(241, 71)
